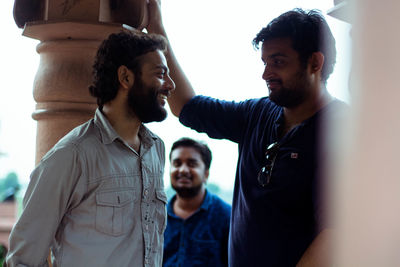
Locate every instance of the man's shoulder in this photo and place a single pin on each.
(79, 134)
(75, 139)
(219, 203)
(336, 110)
(262, 105)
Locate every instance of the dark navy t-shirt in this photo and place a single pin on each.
(272, 225)
(202, 239)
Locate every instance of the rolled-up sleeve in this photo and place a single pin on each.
(51, 191)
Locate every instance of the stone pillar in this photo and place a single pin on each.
(70, 32)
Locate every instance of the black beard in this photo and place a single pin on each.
(143, 102)
(294, 96)
(186, 192)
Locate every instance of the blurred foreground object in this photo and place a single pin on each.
(367, 195)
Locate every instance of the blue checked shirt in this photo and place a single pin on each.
(201, 239)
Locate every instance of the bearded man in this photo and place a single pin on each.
(97, 197)
(198, 221)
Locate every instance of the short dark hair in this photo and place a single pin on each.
(309, 33)
(202, 148)
(123, 48)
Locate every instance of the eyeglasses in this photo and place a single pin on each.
(264, 176)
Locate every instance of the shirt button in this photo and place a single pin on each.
(146, 192)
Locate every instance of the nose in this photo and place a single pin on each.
(169, 83)
(183, 168)
(267, 72)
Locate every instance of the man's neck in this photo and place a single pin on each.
(295, 116)
(125, 125)
(186, 207)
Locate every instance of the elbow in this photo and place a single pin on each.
(176, 111)
(176, 103)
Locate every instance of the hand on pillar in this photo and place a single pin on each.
(155, 24)
(27, 10)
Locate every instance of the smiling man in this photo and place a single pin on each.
(277, 214)
(97, 197)
(198, 221)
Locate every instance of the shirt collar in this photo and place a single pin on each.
(206, 202)
(204, 206)
(108, 134)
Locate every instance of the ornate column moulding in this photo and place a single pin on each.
(341, 10)
(130, 12)
(70, 32)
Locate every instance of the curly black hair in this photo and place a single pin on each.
(309, 33)
(123, 48)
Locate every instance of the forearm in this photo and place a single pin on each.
(319, 253)
(183, 89)
(23, 252)
(52, 188)
(32, 234)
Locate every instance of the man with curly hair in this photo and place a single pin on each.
(97, 197)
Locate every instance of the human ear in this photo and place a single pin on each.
(125, 77)
(316, 61)
(206, 174)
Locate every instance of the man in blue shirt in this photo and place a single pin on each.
(278, 218)
(198, 221)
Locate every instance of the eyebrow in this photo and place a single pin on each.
(163, 67)
(189, 160)
(276, 55)
(273, 56)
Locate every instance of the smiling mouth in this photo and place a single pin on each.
(164, 98)
(164, 94)
(183, 179)
(273, 83)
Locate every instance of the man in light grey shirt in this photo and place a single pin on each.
(97, 197)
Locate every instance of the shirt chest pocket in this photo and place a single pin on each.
(160, 210)
(115, 211)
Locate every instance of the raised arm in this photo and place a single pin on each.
(184, 90)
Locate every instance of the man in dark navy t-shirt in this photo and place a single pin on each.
(277, 216)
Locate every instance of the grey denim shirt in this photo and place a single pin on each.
(94, 201)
